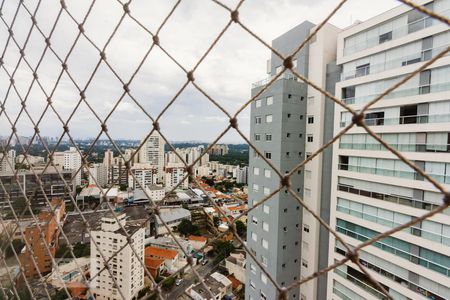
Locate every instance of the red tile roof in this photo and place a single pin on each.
(161, 253)
(197, 238)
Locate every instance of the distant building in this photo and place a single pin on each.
(98, 173)
(29, 160)
(152, 153)
(189, 155)
(69, 160)
(143, 175)
(218, 285)
(38, 259)
(124, 266)
(235, 264)
(197, 242)
(218, 149)
(7, 163)
(52, 186)
(241, 175)
(169, 256)
(175, 175)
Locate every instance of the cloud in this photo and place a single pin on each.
(226, 74)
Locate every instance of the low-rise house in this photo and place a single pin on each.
(168, 242)
(197, 242)
(235, 264)
(169, 256)
(155, 266)
(217, 283)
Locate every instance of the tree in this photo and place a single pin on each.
(222, 249)
(123, 187)
(209, 181)
(186, 228)
(216, 221)
(240, 228)
(168, 282)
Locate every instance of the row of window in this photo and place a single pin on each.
(269, 101)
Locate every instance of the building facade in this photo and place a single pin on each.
(7, 162)
(287, 124)
(373, 191)
(125, 266)
(69, 160)
(152, 153)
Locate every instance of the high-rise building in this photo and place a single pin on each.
(288, 121)
(241, 174)
(69, 160)
(7, 163)
(145, 176)
(125, 266)
(219, 149)
(152, 153)
(372, 190)
(174, 175)
(100, 173)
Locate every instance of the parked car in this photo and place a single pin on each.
(178, 281)
(204, 262)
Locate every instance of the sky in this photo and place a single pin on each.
(226, 74)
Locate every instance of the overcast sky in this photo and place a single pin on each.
(226, 74)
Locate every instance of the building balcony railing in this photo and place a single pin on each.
(360, 284)
(402, 120)
(398, 93)
(397, 252)
(411, 202)
(397, 146)
(421, 56)
(396, 33)
(284, 76)
(394, 173)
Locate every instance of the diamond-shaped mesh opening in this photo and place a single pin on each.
(47, 92)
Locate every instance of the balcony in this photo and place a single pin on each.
(413, 175)
(392, 64)
(284, 76)
(439, 148)
(402, 120)
(396, 33)
(398, 93)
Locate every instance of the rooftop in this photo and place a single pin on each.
(160, 252)
(197, 238)
(173, 214)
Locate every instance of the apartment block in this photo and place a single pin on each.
(372, 190)
(289, 121)
(152, 152)
(37, 258)
(7, 162)
(127, 271)
(52, 184)
(69, 160)
(174, 175)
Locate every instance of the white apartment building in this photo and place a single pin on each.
(99, 172)
(69, 160)
(125, 266)
(174, 175)
(7, 164)
(373, 191)
(189, 155)
(152, 152)
(144, 176)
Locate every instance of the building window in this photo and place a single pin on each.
(385, 37)
(310, 138)
(257, 137)
(254, 236)
(269, 100)
(264, 260)
(254, 220)
(268, 137)
(255, 187)
(279, 69)
(288, 115)
(263, 296)
(258, 120)
(268, 118)
(266, 209)
(266, 191)
(287, 154)
(301, 117)
(263, 278)
(267, 173)
(307, 193)
(258, 103)
(300, 135)
(265, 244)
(255, 171)
(288, 134)
(285, 229)
(310, 119)
(265, 226)
(253, 268)
(304, 263)
(268, 155)
(305, 228)
(285, 210)
(252, 284)
(294, 63)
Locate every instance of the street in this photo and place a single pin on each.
(189, 278)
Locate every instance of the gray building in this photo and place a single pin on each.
(287, 121)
